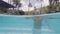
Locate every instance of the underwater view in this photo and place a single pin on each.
(38, 24)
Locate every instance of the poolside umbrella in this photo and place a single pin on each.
(5, 5)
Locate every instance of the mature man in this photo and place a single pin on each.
(36, 11)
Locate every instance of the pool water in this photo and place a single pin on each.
(50, 24)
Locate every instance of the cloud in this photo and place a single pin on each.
(44, 3)
(38, 4)
(5, 0)
(26, 8)
(25, 4)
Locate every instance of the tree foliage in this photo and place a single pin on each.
(17, 2)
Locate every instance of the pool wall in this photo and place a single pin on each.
(10, 24)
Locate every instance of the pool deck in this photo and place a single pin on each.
(28, 15)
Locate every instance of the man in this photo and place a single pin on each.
(36, 11)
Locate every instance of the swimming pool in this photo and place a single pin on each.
(10, 24)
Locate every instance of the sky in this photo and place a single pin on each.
(36, 3)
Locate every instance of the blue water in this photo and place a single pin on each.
(50, 24)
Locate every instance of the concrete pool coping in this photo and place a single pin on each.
(28, 15)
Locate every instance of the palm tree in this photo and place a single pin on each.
(56, 1)
(17, 3)
(53, 4)
(50, 1)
